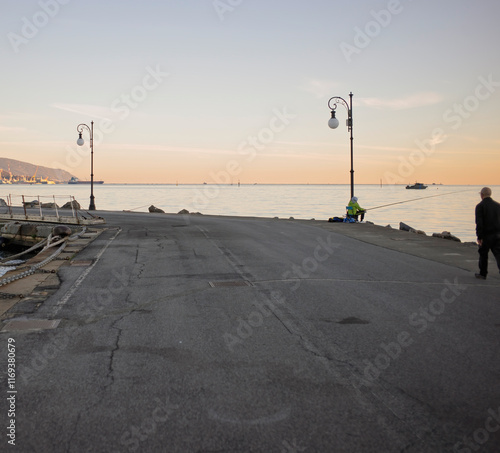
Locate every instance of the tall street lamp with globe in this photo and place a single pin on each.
(334, 123)
(80, 142)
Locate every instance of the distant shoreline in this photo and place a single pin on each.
(283, 184)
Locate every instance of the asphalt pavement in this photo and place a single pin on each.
(191, 333)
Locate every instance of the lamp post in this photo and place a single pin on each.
(80, 142)
(334, 123)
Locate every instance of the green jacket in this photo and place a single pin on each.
(356, 207)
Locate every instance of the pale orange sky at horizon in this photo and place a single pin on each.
(197, 94)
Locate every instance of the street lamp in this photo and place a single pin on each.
(80, 142)
(334, 123)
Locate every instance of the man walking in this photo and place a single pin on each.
(487, 230)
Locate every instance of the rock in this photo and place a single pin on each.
(30, 204)
(404, 227)
(51, 205)
(73, 203)
(453, 238)
(153, 208)
(446, 235)
(2, 202)
(291, 218)
(183, 212)
(388, 226)
(62, 231)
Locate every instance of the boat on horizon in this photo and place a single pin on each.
(417, 185)
(75, 180)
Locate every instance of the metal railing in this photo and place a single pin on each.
(18, 208)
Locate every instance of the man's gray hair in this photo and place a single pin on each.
(485, 192)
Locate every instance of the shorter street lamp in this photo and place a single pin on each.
(334, 123)
(80, 142)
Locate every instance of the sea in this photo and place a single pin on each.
(433, 210)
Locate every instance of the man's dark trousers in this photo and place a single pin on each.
(490, 242)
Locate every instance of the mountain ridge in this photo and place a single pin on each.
(20, 168)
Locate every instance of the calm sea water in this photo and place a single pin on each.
(435, 209)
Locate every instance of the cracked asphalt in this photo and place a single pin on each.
(217, 334)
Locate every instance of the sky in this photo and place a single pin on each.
(220, 91)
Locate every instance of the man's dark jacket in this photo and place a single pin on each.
(487, 218)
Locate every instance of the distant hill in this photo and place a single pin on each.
(18, 168)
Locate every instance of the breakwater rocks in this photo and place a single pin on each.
(153, 209)
(72, 204)
(443, 235)
(446, 235)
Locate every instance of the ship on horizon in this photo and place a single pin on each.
(417, 185)
(75, 180)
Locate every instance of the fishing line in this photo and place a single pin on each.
(130, 210)
(416, 199)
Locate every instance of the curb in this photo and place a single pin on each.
(24, 297)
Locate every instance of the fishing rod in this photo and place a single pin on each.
(417, 199)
